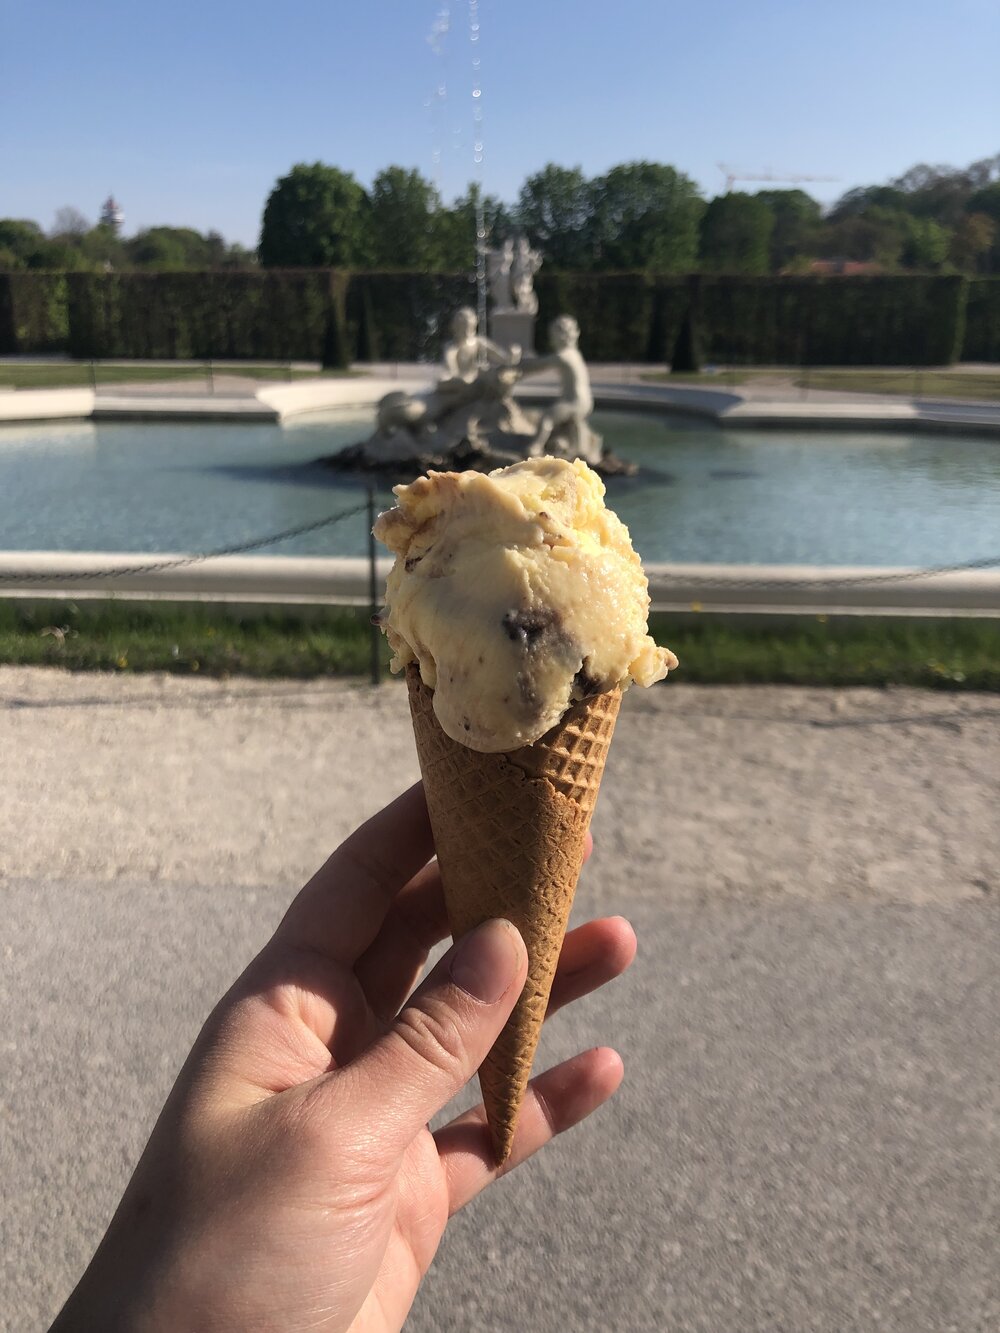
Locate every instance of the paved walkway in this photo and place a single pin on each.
(807, 1138)
(765, 400)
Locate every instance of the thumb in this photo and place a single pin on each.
(445, 1031)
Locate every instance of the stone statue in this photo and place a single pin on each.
(477, 384)
(498, 267)
(512, 269)
(468, 351)
(470, 418)
(525, 264)
(562, 429)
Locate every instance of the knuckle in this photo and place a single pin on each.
(434, 1034)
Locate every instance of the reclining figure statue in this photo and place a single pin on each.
(470, 417)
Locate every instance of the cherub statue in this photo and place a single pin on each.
(498, 266)
(525, 265)
(567, 416)
(474, 369)
(469, 351)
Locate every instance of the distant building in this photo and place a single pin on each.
(112, 215)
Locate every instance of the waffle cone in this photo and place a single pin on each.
(510, 831)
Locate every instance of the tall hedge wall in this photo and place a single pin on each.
(322, 314)
(622, 316)
(982, 321)
(403, 316)
(275, 314)
(911, 321)
(33, 313)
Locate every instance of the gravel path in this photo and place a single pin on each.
(822, 793)
(807, 1138)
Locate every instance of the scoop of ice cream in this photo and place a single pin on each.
(517, 593)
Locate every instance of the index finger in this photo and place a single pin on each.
(340, 911)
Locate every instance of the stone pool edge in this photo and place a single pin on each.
(280, 402)
(290, 581)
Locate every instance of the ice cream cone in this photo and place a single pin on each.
(510, 831)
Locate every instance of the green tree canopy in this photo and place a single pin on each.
(168, 248)
(403, 206)
(797, 218)
(19, 238)
(874, 237)
(986, 200)
(315, 217)
(645, 216)
(454, 229)
(554, 209)
(59, 254)
(926, 244)
(971, 242)
(857, 202)
(736, 234)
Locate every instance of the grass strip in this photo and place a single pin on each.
(907, 383)
(77, 374)
(950, 654)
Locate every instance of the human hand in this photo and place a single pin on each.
(291, 1181)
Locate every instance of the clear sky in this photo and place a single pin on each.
(189, 111)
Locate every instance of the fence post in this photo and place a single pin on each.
(375, 632)
(93, 374)
(210, 377)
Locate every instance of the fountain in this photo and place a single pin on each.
(470, 419)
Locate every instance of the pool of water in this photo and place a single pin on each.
(702, 494)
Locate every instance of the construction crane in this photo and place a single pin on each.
(733, 174)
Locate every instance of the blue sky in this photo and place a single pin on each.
(190, 111)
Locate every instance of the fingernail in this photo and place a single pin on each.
(486, 961)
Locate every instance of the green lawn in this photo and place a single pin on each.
(76, 374)
(131, 636)
(908, 383)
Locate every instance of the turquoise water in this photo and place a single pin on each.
(703, 494)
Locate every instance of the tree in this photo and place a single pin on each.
(986, 200)
(554, 209)
(736, 234)
(104, 248)
(454, 229)
(169, 248)
(858, 201)
(937, 192)
(645, 216)
(971, 242)
(926, 243)
(18, 239)
(403, 206)
(69, 222)
(315, 217)
(796, 220)
(876, 237)
(58, 254)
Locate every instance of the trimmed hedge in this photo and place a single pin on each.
(404, 316)
(897, 321)
(274, 315)
(34, 317)
(982, 321)
(333, 316)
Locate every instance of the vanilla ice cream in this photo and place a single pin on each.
(517, 593)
